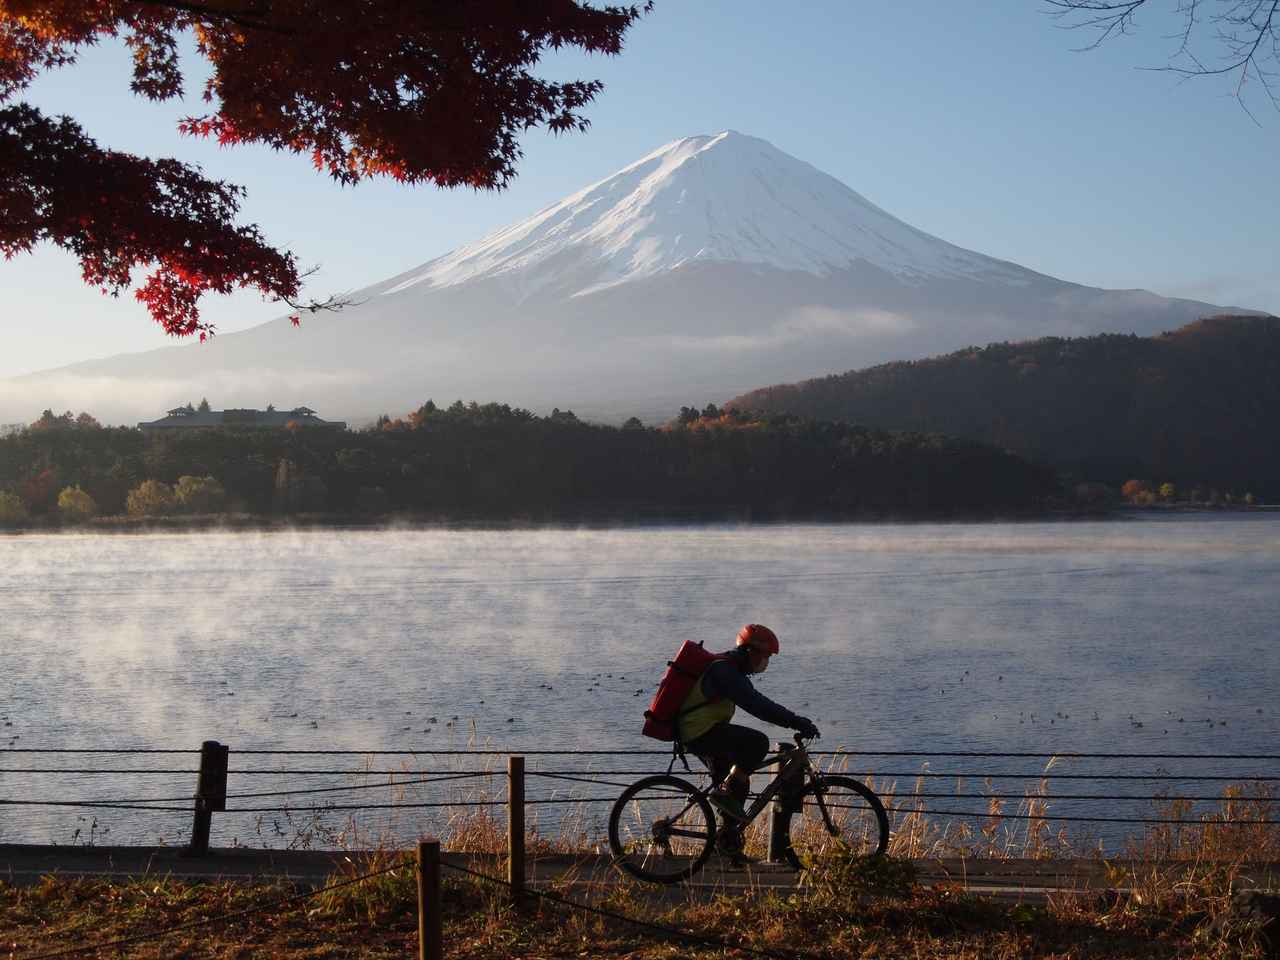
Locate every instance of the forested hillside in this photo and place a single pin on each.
(494, 460)
(1197, 407)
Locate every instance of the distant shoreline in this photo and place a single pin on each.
(254, 523)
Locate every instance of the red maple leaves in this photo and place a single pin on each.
(117, 212)
(433, 92)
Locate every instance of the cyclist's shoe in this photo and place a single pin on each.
(729, 840)
(729, 844)
(728, 804)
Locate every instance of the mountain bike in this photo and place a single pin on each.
(663, 828)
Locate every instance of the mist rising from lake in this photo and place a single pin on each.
(894, 637)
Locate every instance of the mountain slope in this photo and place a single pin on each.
(713, 262)
(727, 198)
(1196, 406)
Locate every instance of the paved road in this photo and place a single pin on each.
(1016, 879)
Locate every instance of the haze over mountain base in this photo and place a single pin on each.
(711, 266)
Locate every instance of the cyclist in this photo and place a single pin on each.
(730, 750)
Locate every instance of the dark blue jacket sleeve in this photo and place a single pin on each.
(725, 680)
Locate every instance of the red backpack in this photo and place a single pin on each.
(682, 673)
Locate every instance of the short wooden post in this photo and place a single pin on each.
(778, 814)
(211, 794)
(430, 919)
(515, 827)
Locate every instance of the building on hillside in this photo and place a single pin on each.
(189, 418)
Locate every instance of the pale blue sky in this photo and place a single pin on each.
(975, 122)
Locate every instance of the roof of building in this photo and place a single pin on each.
(189, 418)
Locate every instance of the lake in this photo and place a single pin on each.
(1150, 633)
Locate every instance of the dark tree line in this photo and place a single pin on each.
(1196, 407)
(493, 460)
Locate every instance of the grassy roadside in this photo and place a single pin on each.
(1179, 879)
(846, 908)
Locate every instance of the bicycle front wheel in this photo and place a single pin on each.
(835, 814)
(661, 829)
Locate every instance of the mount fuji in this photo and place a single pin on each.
(711, 266)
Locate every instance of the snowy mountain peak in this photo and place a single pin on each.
(728, 197)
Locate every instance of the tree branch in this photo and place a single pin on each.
(1241, 27)
(249, 19)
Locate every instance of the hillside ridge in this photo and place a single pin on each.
(1194, 406)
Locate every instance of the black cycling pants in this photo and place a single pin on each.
(727, 744)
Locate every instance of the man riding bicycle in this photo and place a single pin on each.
(730, 750)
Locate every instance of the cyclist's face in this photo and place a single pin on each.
(759, 661)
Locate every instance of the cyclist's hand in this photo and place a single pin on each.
(806, 728)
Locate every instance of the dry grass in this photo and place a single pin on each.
(1177, 882)
(854, 912)
(918, 834)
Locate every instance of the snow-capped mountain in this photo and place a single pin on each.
(729, 199)
(713, 265)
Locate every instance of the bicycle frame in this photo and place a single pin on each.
(795, 766)
(656, 830)
(795, 771)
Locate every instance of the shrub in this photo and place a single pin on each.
(841, 876)
(12, 509)
(151, 498)
(1092, 493)
(37, 492)
(200, 495)
(75, 505)
(1133, 490)
(314, 495)
(372, 500)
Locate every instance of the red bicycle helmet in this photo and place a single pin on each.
(758, 637)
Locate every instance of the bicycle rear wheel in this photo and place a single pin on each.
(835, 814)
(661, 829)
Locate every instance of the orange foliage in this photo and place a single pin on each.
(1133, 490)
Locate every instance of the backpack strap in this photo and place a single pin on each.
(679, 669)
(698, 679)
(678, 753)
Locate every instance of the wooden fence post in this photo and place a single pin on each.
(430, 919)
(211, 794)
(515, 827)
(778, 815)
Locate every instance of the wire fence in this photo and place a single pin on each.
(1130, 790)
(1126, 792)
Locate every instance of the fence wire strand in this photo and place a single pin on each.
(906, 812)
(128, 803)
(1040, 754)
(605, 778)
